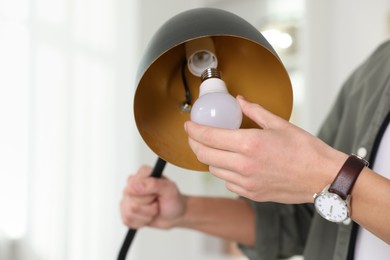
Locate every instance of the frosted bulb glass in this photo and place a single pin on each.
(215, 106)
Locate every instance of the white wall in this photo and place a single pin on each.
(339, 36)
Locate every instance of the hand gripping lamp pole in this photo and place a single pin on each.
(233, 57)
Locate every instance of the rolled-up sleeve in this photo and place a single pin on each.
(281, 230)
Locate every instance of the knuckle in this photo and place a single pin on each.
(201, 155)
(251, 144)
(153, 209)
(250, 185)
(127, 191)
(207, 137)
(131, 219)
(152, 183)
(144, 170)
(127, 217)
(229, 186)
(244, 168)
(248, 146)
(134, 209)
(130, 181)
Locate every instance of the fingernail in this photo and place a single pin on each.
(240, 97)
(185, 126)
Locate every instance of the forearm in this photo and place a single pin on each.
(370, 197)
(371, 203)
(231, 219)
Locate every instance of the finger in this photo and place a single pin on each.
(158, 187)
(214, 157)
(136, 197)
(264, 118)
(144, 211)
(226, 175)
(144, 171)
(137, 222)
(142, 185)
(218, 138)
(236, 182)
(135, 187)
(237, 189)
(143, 200)
(138, 215)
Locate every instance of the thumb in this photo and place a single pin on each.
(264, 118)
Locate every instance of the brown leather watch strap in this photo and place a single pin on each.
(345, 179)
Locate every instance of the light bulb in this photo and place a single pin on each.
(215, 106)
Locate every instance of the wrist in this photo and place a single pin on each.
(181, 219)
(191, 214)
(333, 202)
(328, 168)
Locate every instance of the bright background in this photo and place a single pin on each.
(67, 134)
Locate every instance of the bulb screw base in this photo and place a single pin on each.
(210, 73)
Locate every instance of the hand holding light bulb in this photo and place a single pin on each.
(215, 106)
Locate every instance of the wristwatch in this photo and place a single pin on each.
(333, 202)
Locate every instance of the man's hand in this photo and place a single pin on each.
(279, 162)
(149, 201)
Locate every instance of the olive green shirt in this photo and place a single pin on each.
(353, 123)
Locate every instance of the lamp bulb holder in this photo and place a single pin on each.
(200, 54)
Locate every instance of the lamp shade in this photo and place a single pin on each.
(247, 62)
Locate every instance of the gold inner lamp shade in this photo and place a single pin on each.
(249, 67)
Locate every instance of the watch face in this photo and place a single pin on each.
(331, 207)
